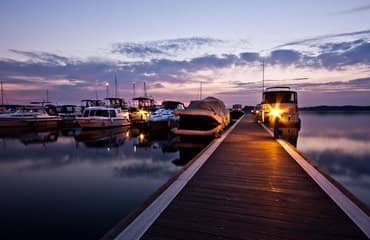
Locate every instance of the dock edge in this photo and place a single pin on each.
(354, 212)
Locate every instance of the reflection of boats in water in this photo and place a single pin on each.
(28, 135)
(109, 137)
(236, 111)
(207, 117)
(163, 118)
(187, 151)
(29, 116)
(39, 137)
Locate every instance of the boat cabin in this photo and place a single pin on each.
(145, 103)
(100, 112)
(280, 105)
(115, 102)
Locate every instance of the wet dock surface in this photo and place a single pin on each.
(251, 188)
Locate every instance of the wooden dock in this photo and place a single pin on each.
(250, 187)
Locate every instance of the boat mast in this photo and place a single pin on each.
(2, 93)
(47, 95)
(115, 85)
(145, 93)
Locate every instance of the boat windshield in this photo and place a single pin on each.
(173, 105)
(96, 113)
(280, 97)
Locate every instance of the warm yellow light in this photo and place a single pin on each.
(143, 114)
(141, 137)
(276, 112)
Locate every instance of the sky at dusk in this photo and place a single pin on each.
(71, 48)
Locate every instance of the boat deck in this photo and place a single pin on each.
(251, 188)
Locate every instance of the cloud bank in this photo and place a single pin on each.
(227, 68)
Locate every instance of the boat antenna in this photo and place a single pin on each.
(47, 95)
(2, 93)
(134, 89)
(145, 93)
(200, 90)
(115, 85)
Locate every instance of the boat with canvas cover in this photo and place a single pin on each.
(207, 118)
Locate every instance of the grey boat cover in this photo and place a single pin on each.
(211, 104)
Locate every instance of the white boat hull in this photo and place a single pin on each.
(29, 122)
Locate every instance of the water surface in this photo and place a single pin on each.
(76, 184)
(339, 143)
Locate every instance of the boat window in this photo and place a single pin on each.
(92, 113)
(86, 113)
(280, 97)
(102, 113)
(112, 113)
(70, 109)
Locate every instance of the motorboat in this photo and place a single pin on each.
(280, 108)
(236, 111)
(207, 117)
(164, 117)
(68, 114)
(141, 109)
(103, 117)
(30, 116)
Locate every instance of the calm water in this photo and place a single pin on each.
(79, 184)
(340, 144)
(76, 184)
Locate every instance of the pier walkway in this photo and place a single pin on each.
(251, 188)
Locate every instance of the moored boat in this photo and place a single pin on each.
(68, 114)
(29, 116)
(207, 117)
(164, 117)
(103, 117)
(236, 111)
(141, 109)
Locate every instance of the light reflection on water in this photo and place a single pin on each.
(78, 184)
(339, 143)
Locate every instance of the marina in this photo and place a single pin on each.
(153, 156)
(260, 192)
(174, 120)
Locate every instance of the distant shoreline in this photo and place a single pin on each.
(324, 108)
(346, 108)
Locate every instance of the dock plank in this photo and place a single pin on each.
(250, 188)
